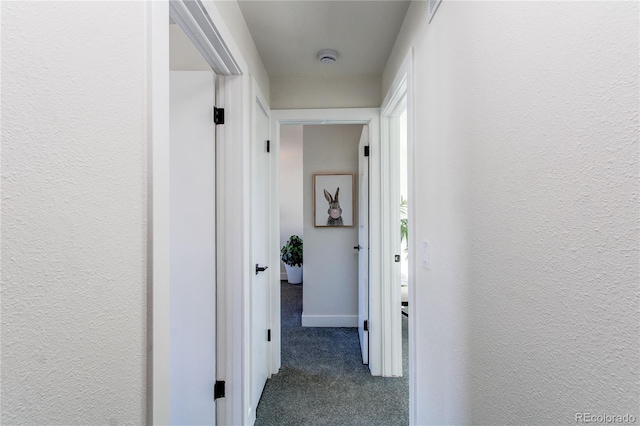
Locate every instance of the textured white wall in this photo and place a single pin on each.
(73, 213)
(303, 93)
(330, 262)
(290, 184)
(526, 123)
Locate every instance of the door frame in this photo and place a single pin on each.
(232, 210)
(364, 257)
(259, 101)
(370, 116)
(400, 91)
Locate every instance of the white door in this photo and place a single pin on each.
(363, 244)
(260, 222)
(192, 248)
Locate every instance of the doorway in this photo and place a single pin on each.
(177, 169)
(311, 154)
(400, 202)
(404, 214)
(192, 199)
(315, 118)
(397, 138)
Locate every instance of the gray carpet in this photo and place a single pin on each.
(323, 381)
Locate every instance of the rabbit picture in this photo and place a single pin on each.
(335, 212)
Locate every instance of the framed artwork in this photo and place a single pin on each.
(333, 200)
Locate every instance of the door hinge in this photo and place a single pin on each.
(218, 115)
(218, 389)
(268, 146)
(366, 150)
(268, 335)
(366, 325)
(397, 258)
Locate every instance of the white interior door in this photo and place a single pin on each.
(363, 244)
(192, 248)
(260, 222)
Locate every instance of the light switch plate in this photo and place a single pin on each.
(426, 261)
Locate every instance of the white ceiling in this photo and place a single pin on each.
(289, 34)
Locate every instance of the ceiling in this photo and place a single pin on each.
(289, 34)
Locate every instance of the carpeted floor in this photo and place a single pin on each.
(323, 381)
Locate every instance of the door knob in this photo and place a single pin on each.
(358, 247)
(260, 268)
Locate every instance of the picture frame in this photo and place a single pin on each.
(334, 200)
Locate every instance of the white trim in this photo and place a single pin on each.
(325, 116)
(433, 8)
(369, 116)
(400, 92)
(193, 18)
(274, 206)
(395, 103)
(224, 351)
(158, 211)
(397, 91)
(258, 101)
(234, 248)
(275, 276)
(329, 320)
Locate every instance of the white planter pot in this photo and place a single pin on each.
(294, 274)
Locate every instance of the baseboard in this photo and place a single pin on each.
(329, 320)
(283, 276)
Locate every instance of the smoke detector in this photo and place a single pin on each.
(327, 56)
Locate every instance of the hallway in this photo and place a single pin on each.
(323, 381)
(523, 150)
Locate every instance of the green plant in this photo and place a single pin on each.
(404, 224)
(292, 251)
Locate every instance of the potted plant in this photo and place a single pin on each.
(292, 258)
(404, 224)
